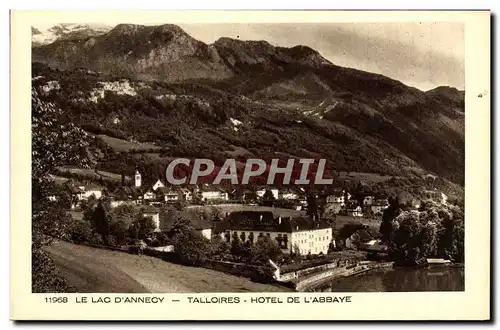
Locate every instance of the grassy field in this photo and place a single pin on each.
(92, 174)
(123, 145)
(92, 270)
(242, 207)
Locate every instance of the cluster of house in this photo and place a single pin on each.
(158, 193)
(336, 202)
(340, 202)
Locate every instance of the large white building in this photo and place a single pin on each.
(208, 193)
(298, 235)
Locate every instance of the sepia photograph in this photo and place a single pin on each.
(277, 165)
(381, 104)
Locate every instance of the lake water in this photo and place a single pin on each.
(434, 278)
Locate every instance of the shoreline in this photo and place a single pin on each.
(312, 282)
(315, 280)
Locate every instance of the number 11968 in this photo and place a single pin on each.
(55, 300)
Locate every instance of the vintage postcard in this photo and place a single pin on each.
(284, 165)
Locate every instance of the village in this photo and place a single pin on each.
(283, 215)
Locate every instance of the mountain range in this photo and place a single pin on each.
(44, 36)
(240, 98)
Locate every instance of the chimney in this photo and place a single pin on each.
(279, 220)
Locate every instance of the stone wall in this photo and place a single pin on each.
(317, 269)
(348, 270)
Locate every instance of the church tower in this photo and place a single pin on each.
(137, 179)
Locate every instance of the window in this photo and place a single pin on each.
(251, 237)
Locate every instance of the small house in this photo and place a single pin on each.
(169, 195)
(354, 209)
(288, 194)
(154, 214)
(355, 236)
(150, 195)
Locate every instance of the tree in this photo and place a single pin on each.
(263, 250)
(268, 197)
(219, 248)
(191, 248)
(450, 243)
(180, 205)
(81, 233)
(181, 225)
(315, 205)
(386, 226)
(121, 219)
(100, 221)
(237, 247)
(413, 238)
(142, 227)
(435, 230)
(53, 143)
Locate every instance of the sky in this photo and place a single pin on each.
(419, 54)
(423, 55)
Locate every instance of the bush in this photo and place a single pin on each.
(191, 248)
(44, 275)
(219, 248)
(263, 250)
(80, 232)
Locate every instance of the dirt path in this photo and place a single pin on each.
(96, 270)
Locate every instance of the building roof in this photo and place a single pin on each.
(167, 191)
(265, 221)
(349, 228)
(364, 235)
(206, 188)
(168, 219)
(125, 193)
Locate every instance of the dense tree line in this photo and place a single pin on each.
(434, 230)
(54, 143)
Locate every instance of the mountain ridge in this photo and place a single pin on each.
(352, 116)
